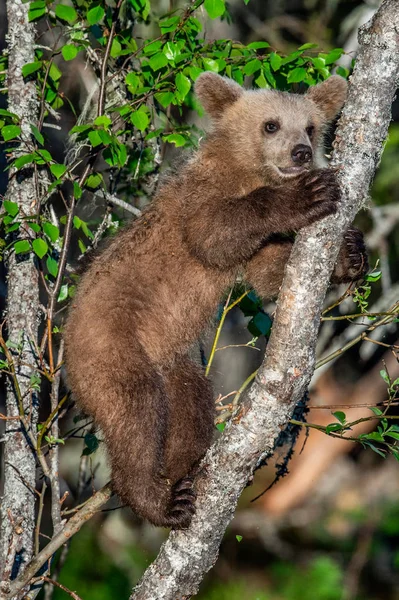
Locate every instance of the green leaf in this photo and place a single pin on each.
(307, 46)
(343, 72)
(66, 13)
(52, 266)
(384, 375)
(133, 81)
(21, 161)
(260, 324)
(43, 156)
(165, 98)
(296, 75)
(158, 61)
(176, 139)
(94, 180)
(36, 13)
(195, 72)
(275, 61)
(11, 208)
(58, 170)
(22, 246)
(340, 416)
(94, 138)
(171, 50)
(80, 128)
(7, 113)
(168, 25)
(54, 72)
(334, 55)
(261, 81)
(69, 51)
(35, 227)
(63, 295)
(51, 231)
(92, 443)
(319, 63)
(95, 15)
(210, 65)
(376, 411)
(115, 48)
(374, 435)
(183, 85)
(374, 276)
(333, 427)
(77, 190)
(258, 45)
(122, 154)
(37, 135)
(105, 137)
(9, 132)
(140, 120)
(103, 121)
(40, 247)
(221, 426)
(375, 449)
(239, 537)
(252, 67)
(214, 8)
(86, 230)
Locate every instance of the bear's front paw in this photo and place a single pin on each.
(352, 260)
(319, 194)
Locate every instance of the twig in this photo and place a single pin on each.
(226, 309)
(72, 526)
(57, 584)
(54, 451)
(39, 518)
(12, 549)
(118, 202)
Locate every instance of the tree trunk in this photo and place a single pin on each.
(18, 502)
(286, 371)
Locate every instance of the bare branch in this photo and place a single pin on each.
(72, 526)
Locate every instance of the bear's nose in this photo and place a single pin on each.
(301, 154)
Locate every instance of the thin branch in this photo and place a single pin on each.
(72, 526)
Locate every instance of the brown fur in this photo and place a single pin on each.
(150, 294)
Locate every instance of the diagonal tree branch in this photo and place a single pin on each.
(286, 371)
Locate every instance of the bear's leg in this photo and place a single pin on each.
(190, 429)
(135, 428)
(265, 271)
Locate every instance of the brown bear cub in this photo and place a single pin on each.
(150, 294)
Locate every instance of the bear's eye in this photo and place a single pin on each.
(310, 131)
(271, 126)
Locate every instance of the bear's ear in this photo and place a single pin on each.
(216, 93)
(329, 96)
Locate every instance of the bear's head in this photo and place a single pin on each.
(272, 133)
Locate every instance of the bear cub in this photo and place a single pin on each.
(145, 300)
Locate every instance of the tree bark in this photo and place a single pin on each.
(286, 371)
(18, 499)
